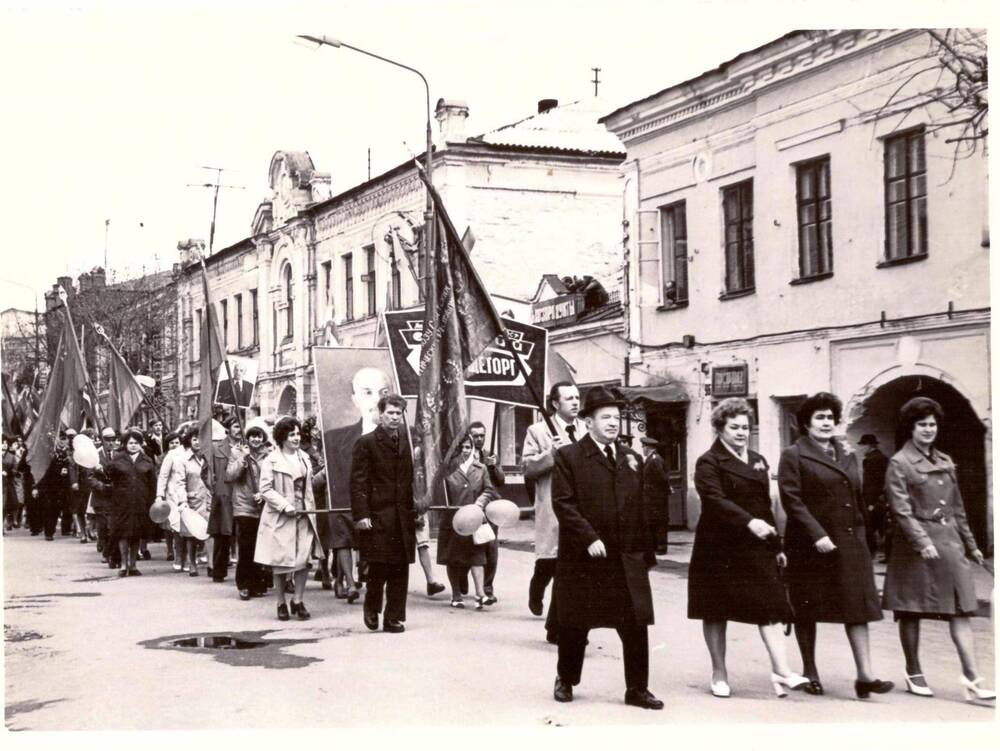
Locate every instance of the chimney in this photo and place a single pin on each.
(544, 105)
(188, 248)
(451, 117)
(98, 278)
(66, 282)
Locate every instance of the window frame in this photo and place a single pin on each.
(668, 251)
(238, 299)
(743, 222)
(906, 178)
(825, 264)
(224, 307)
(289, 286)
(348, 265)
(256, 317)
(369, 279)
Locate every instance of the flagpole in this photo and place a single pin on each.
(225, 358)
(76, 345)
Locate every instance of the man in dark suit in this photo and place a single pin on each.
(383, 511)
(657, 489)
(873, 469)
(367, 386)
(606, 547)
(236, 392)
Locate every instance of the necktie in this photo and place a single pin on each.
(610, 454)
(571, 432)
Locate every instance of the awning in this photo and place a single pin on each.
(664, 393)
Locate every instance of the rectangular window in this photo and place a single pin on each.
(224, 305)
(905, 196)
(815, 218)
(369, 279)
(737, 209)
(327, 281)
(674, 234)
(239, 321)
(196, 349)
(256, 317)
(396, 299)
(348, 288)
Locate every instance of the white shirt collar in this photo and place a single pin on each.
(468, 462)
(744, 457)
(602, 446)
(563, 424)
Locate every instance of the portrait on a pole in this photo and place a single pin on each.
(350, 381)
(237, 391)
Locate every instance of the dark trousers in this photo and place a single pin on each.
(51, 507)
(249, 575)
(458, 577)
(220, 556)
(33, 511)
(635, 648)
(393, 578)
(545, 571)
(68, 503)
(490, 570)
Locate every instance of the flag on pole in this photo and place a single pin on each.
(11, 422)
(26, 407)
(557, 369)
(459, 323)
(211, 360)
(125, 394)
(61, 404)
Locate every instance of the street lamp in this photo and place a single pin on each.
(321, 41)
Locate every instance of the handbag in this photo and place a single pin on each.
(483, 534)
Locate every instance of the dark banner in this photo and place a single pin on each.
(492, 376)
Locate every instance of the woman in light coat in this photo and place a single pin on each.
(182, 484)
(287, 533)
(929, 574)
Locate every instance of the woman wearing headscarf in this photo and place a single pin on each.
(133, 487)
(287, 535)
(243, 472)
(830, 577)
(737, 553)
(929, 574)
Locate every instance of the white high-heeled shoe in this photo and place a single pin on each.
(721, 689)
(793, 681)
(913, 688)
(972, 690)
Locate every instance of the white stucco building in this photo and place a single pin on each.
(796, 228)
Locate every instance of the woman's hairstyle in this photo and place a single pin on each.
(727, 409)
(8, 438)
(916, 410)
(817, 403)
(172, 435)
(134, 434)
(283, 428)
(256, 430)
(188, 435)
(394, 400)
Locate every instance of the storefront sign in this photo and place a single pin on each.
(730, 380)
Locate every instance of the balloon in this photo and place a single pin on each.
(503, 513)
(218, 432)
(85, 452)
(467, 520)
(193, 523)
(159, 512)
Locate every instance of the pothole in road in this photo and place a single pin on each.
(244, 648)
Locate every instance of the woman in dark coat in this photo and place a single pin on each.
(133, 487)
(830, 577)
(734, 572)
(469, 483)
(929, 574)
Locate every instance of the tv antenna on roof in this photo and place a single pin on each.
(215, 198)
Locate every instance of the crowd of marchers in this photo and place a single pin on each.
(257, 500)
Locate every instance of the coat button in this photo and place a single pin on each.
(942, 503)
(940, 482)
(850, 529)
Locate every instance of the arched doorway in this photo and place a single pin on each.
(286, 403)
(962, 436)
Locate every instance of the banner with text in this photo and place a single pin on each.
(493, 376)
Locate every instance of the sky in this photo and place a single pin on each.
(111, 108)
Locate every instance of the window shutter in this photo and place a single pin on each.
(650, 257)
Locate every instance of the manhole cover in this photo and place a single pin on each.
(216, 642)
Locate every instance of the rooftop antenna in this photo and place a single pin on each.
(597, 79)
(215, 197)
(107, 224)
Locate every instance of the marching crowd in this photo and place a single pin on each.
(257, 499)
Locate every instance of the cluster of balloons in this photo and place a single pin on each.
(500, 512)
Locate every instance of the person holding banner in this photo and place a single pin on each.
(383, 509)
(469, 483)
(538, 459)
(287, 535)
(133, 487)
(52, 489)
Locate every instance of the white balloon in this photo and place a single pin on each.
(194, 523)
(85, 452)
(502, 512)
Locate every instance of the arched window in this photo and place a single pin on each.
(289, 314)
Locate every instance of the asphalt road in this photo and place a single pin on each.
(86, 650)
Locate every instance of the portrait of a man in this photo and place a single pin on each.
(236, 392)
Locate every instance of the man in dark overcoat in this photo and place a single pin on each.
(606, 547)
(220, 521)
(53, 488)
(656, 485)
(99, 483)
(874, 467)
(383, 511)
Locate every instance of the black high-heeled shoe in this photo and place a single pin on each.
(299, 608)
(283, 612)
(814, 687)
(865, 688)
(352, 596)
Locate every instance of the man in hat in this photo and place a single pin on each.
(538, 459)
(52, 489)
(606, 547)
(874, 467)
(68, 501)
(657, 489)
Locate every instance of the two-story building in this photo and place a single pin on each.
(800, 224)
(318, 268)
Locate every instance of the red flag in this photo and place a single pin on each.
(124, 393)
(211, 359)
(459, 323)
(11, 421)
(61, 404)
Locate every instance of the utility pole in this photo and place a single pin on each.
(107, 224)
(215, 198)
(597, 79)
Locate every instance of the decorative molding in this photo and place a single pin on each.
(363, 206)
(810, 135)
